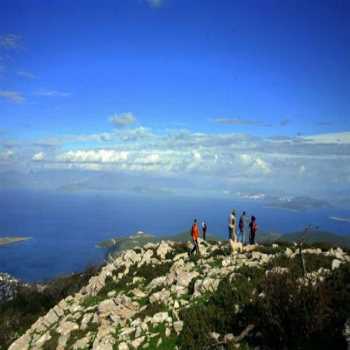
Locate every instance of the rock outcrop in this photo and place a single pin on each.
(136, 299)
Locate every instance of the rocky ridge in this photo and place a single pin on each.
(136, 299)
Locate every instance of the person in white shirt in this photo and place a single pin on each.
(232, 226)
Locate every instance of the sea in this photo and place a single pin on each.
(65, 227)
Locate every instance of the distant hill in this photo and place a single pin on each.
(9, 240)
(319, 237)
(311, 237)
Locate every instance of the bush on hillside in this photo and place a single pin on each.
(285, 313)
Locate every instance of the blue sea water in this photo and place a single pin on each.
(66, 227)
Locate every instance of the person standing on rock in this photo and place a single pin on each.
(241, 228)
(204, 229)
(195, 234)
(232, 226)
(253, 228)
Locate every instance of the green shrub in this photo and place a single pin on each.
(285, 313)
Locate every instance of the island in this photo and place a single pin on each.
(9, 240)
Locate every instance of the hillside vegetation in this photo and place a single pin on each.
(156, 297)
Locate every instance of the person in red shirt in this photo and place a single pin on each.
(195, 234)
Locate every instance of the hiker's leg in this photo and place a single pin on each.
(193, 249)
(197, 247)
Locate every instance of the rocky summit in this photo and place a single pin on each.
(142, 298)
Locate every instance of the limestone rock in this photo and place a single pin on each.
(288, 252)
(82, 343)
(335, 264)
(235, 246)
(160, 317)
(21, 343)
(160, 297)
(123, 346)
(163, 249)
(206, 285)
(66, 327)
(121, 306)
(137, 342)
(178, 325)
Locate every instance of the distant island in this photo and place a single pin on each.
(337, 218)
(9, 240)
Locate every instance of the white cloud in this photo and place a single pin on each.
(255, 163)
(40, 156)
(7, 155)
(123, 119)
(239, 121)
(27, 75)
(94, 156)
(12, 96)
(336, 138)
(52, 93)
(10, 41)
(263, 166)
(155, 3)
(151, 158)
(302, 169)
(227, 160)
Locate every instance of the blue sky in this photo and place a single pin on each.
(236, 92)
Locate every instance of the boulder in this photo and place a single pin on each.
(335, 264)
(82, 343)
(178, 325)
(121, 307)
(131, 256)
(235, 246)
(51, 317)
(206, 285)
(43, 339)
(288, 252)
(160, 317)
(86, 320)
(157, 282)
(123, 346)
(184, 278)
(163, 249)
(21, 343)
(66, 327)
(160, 297)
(137, 342)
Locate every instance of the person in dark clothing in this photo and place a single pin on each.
(241, 228)
(253, 228)
(204, 229)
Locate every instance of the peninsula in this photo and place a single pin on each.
(9, 240)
